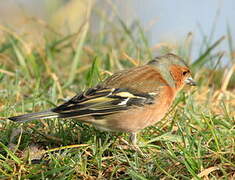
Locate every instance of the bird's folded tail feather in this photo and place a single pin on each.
(33, 116)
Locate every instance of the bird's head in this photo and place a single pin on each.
(174, 70)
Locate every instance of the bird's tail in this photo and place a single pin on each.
(34, 116)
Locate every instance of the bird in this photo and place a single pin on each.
(127, 101)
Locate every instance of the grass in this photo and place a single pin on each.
(196, 140)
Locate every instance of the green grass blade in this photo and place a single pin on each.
(136, 175)
(78, 52)
(93, 74)
(11, 154)
(203, 58)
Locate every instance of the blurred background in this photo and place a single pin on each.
(71, 35)
(163, 21)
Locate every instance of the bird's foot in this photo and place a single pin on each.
(132, 146)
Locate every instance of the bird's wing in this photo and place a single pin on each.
(103, 101)
(124, 90)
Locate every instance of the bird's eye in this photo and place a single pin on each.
(185, 72)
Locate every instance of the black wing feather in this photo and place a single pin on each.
(103, 101)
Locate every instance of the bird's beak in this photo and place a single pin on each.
(190, 81)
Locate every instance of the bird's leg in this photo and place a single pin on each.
(133, 140)
(133, 143)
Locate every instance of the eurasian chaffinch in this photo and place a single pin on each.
(127, 101)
